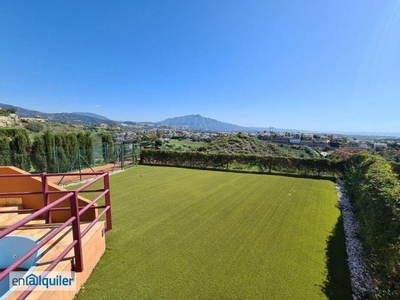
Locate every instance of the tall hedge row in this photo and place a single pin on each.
(39, 159)
(85, 143)
(5, 156)
(58, 152)
(226, 161)
(49, 152)
(14, 144)
(107, 147)
(374, 189)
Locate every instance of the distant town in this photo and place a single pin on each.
(144, 131)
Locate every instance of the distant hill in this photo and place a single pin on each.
(197, 122)
(244, 144)
(22, 111)
(92, 115)
(74, 118)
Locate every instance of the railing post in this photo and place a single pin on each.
(76, 232)
(46, 200)
(80, 165)
(107, 197)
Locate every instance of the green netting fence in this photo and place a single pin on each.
(120, 156)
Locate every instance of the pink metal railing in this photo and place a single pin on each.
(74, 220)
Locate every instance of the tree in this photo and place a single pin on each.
(6, 112)
(39, 155)
(158, 133)
(61, 157)
(108, 146)
(49, 147)
(19, 155)
(152, 136)
(5, 157)
(86, 146)
(158, 143)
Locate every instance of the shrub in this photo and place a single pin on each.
(35, 126)
(223, 160)
(374, 189)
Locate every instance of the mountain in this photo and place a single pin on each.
(75, 118)
(197, 122)
(22, 111)
(92, 115)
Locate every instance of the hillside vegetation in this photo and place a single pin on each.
(244, 144)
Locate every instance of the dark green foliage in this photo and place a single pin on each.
(61, 150)
(66, 150)
(11, 132)
(241, 144)
(5, 153)
(108, 147)
(38, 154)
(396, 168)
(374, 189)
(158, 143)
(6, 112)
(244, 144)
(50, 152)
(49, 147)
(391, 153)
(71, 148)
(86, 146)
(35, 126)
(19, 151)
(62, 160)
(224, 161)
(14, 145)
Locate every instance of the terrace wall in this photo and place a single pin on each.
(34, 184)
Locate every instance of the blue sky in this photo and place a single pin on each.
(312, 64)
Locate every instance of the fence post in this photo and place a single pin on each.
(108, 202)
(105, 147)
(93, 162)
(46, 200)
(80, 165)
(76, 232)
(122, 155)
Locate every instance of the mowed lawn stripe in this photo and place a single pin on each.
(192, 234)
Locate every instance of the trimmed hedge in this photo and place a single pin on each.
(14, 144)
(374, 190)
(225, 161)
(50, 152)
(60, 150)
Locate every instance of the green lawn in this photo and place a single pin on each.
(192, 234)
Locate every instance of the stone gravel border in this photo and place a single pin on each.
(360, 278)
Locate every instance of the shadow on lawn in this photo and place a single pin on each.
(337, 284)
